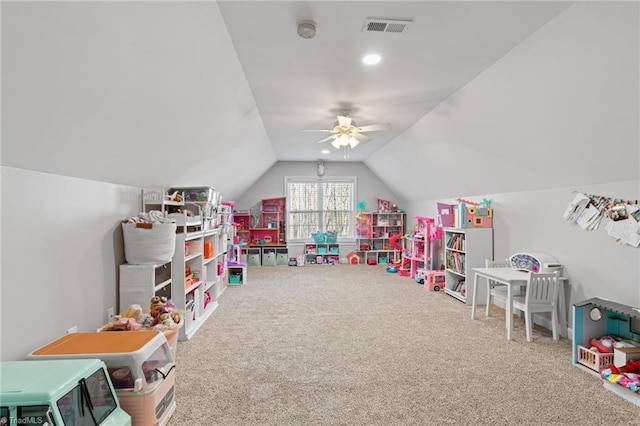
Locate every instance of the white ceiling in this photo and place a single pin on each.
(188, 93)
(304, 83)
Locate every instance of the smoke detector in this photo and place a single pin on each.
(307, 29)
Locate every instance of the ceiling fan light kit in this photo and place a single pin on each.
(346, 135)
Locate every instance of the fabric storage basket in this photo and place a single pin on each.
(149, 243)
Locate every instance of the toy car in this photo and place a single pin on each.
(434, 280)
(59, 392)
(140, 365)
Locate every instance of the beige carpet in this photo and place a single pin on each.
(355, 345)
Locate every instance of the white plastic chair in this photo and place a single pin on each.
(541, 295)
(496, 291)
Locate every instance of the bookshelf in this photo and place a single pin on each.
(465, 249)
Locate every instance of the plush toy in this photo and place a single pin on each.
(168, 321)
(168, 306)
(177, 318)
(121, 323)
(157, 305)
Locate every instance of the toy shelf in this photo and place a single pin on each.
(373, 233)
(465, 249)
(322, 254)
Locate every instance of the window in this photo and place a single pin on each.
(89, 403)
(320, 206)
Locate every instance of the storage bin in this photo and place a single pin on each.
(208, 250)
(254, 259)
(235, 278)
(593, 359)
(269, 259)
(282, 258)
(322, 250)
(149, 243)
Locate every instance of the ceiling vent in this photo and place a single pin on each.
(375, 25)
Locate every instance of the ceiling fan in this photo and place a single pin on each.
(345, 133)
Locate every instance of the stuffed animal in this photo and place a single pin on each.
(121, 323)
(157, 305)
(177, 318)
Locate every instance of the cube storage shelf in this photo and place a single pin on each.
(322, 254)
(237, 274)
(373, 232)
(267, 255)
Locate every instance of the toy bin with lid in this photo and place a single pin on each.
(140, 365)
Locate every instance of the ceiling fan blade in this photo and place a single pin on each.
(374, 127)
(327, 138)
(322, 131)
(344, 121)
(361, 138)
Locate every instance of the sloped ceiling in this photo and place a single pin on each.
(214, 93)
(560, 110)
(147, 94)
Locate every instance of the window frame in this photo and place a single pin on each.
(309, 179)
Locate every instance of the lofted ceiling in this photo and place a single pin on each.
(191, 93)
(301, 84)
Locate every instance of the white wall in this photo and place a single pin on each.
(271, 184)
(565, 99)
(61, 247)
(532, 221)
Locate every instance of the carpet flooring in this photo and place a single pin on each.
(355, 345)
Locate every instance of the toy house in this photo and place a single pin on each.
(445, 217)
(468, 214)
(353, 258)
(479, 217)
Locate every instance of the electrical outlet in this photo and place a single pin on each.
(73, 329)
(110, 314)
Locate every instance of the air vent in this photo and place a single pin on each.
(374, 25)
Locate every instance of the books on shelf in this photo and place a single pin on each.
(455, 262)
(456, 242)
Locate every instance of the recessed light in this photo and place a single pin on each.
(371, 59)
(326, 151)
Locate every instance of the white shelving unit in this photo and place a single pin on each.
(139, 283)
(197, 274)
(322, 254)
(200, 256)
(157, 199)
(465, 249)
